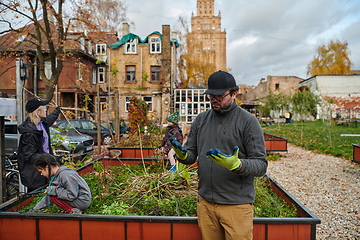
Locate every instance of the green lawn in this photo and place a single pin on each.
(316, 136)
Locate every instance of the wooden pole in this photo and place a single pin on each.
(117, 122)
(98, 120)
(2, 161)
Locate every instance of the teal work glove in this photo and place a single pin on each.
(231, 161)
(181, 153)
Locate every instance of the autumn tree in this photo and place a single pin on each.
(331, 59)
(305, 102)
(46, 28)
(137, 115)
(267, 104)
(102, 15)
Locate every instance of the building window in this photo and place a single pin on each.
(94, 75)
(82, 43)
(101, 75)
(89, 48)
(80, 70)
(148, 100)
(155, 45)
(127, 103)
(103, 104)
(130, 46)
(101, 49)
(47, 70)
(213, 27)
(155, 74)
(130, 73)
(277, 86)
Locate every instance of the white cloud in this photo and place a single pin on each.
(242, 41)
(264, 37)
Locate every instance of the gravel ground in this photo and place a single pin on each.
(328, 186)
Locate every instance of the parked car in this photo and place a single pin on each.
(62, 141)
(11, 137)
(71, 143)
(86, 127)
(124, 126)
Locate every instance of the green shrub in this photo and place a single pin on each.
(155, 191)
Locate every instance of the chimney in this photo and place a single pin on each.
(125, 28)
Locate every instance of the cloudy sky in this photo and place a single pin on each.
(264, 37)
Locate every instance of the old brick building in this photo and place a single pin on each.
(343, 90)
(207, 41)
(146, 69)
(80, 74)
(275, 84)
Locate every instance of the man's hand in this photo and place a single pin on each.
(181, 153)
(231, 161)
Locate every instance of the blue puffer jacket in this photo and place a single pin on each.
(224, 130)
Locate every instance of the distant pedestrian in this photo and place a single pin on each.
(287, 117)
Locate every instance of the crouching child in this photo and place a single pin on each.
(66, 188)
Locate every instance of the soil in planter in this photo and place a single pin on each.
(154, 191)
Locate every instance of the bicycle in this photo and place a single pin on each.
(12, 176)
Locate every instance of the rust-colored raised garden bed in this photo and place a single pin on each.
(134, 152)
(40, 226)
(356, 153)
(274, 143)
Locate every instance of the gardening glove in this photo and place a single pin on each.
(231, 161)
(181, 153)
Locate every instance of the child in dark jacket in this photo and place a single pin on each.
(174, 129)
(66, 188)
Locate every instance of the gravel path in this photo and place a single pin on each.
(328, 186)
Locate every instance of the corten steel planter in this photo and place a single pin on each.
(40, 226)
(134, 152)
(274, 143)
(356, 153)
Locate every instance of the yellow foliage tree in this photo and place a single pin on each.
(331, 59)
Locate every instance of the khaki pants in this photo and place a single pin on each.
(225, 222)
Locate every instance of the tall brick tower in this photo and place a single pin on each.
(206, 40)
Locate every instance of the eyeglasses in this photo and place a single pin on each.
(217, 97)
